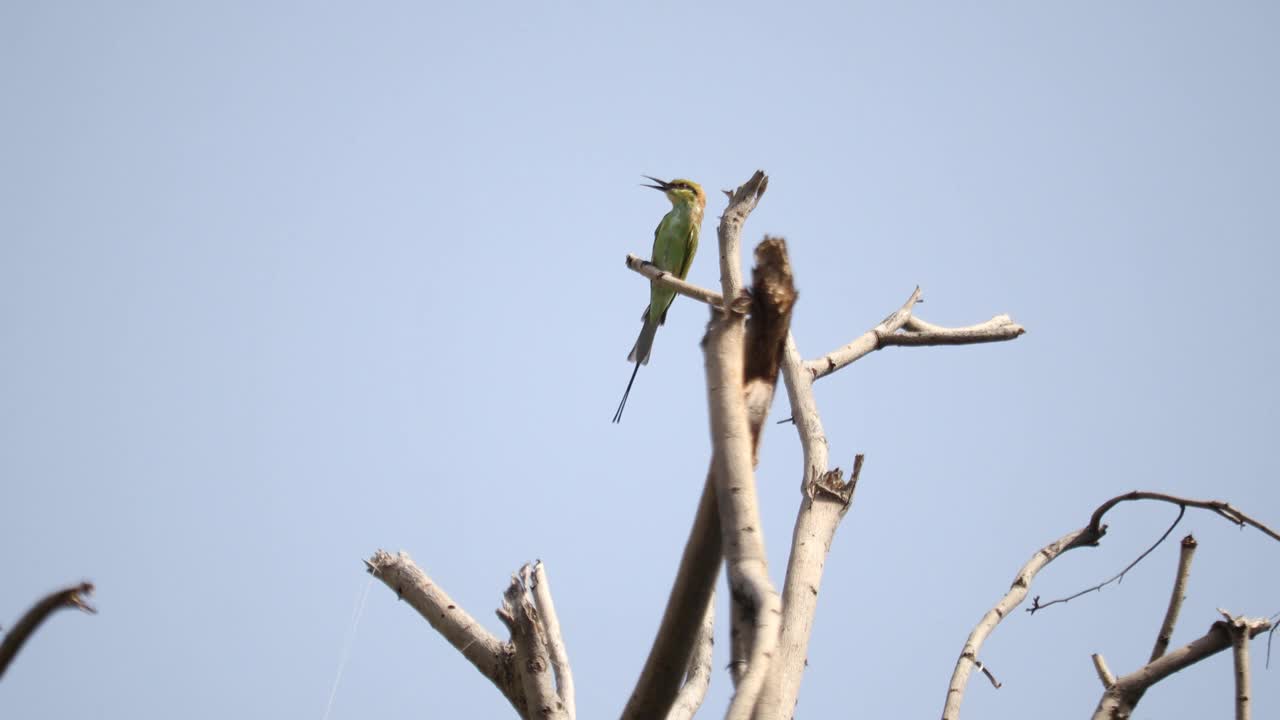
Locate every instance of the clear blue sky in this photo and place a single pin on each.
(281, 284)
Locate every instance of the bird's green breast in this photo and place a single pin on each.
(674, 244)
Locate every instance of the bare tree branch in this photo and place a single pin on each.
(1037, 606)
(1180, 579)
(773, 296)
(741, 202)
(920, 333)
(1088, 536)
(536, 579)
(827, 499)
(533, 663)
(1119, 700)
(670, 281)
(804, 413)
(494, 658)
(1104, 673)
(902, 328)
(698, 677)
(70, 597)
(750, 588)
(987, 672)
(865, 343)
(1017, 593)
(751, 592)
(1217, 507)
(1240, 629)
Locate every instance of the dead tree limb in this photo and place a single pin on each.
(535, 578)
(533, 661)
(752, 594)
(1180, 578)
(1121, 696)
(1242, 630)
(1088, 536)
(71, 597)
(494, 658)
(698, 678)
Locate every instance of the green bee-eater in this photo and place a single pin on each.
(674, 244)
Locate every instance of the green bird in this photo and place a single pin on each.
(674, 244)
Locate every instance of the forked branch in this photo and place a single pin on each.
(903, 328)
(533, 661)
(520, 669)
(536, 580)
(1088, 536)
(1121, 696)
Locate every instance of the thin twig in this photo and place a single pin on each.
(987, 671)
(1036, 605)
(1270, 636)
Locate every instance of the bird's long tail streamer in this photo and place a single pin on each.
(617, 416)
(347, 643)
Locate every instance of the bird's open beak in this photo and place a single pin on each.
(662, 184)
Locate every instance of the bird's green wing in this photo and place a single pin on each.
(690, 249)
(669, 243)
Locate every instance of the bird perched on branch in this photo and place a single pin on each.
(674, 243)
